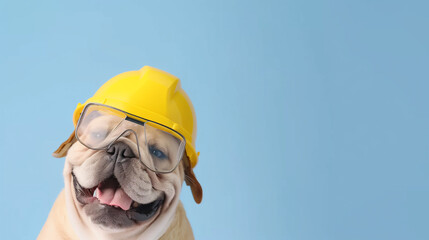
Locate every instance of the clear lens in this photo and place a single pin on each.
(96, 125)
(164, 148)
(159, 148)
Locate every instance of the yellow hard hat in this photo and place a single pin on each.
(152, 94)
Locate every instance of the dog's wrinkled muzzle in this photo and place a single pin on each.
(113, 198)
(120, 152)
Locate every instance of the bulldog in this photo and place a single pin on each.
(110, 194)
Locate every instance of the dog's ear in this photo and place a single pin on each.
(64, 147)
(192, 181)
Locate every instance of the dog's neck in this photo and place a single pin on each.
(58, 225)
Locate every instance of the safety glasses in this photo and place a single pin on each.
(159, 148)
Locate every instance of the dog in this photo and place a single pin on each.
(110, 194)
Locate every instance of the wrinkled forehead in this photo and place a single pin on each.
(105, 118)
(95, 118)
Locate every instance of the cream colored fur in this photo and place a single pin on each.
(67, 220)
(58, 226)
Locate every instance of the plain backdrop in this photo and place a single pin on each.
(312, 115)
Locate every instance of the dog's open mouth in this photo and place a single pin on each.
(110, 195)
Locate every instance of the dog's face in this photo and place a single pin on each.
(112, 186)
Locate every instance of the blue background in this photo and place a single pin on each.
(312, 115)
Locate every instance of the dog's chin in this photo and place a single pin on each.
(114, 216)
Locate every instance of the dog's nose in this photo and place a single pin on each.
(120, 152)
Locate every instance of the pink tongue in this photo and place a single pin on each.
(114, 197)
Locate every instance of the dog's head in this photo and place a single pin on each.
(112, 187)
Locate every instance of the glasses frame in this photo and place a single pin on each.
(131, 119)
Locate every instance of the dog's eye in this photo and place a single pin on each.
(98, 135)
(157, 153)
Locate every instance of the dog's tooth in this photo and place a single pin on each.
(95, 193)
(135, 204)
